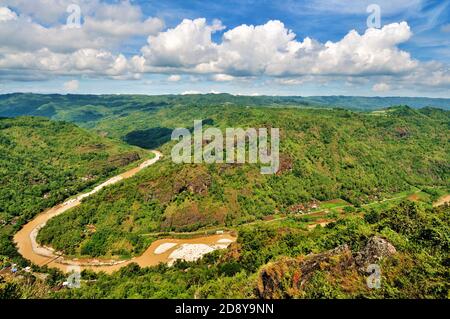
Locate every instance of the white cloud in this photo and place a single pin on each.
(45, 11)
(37, 51)
(43, 47)
(290, 81)
(187, 45)
(6, 14)
(55, 11)
(174, 78)
(71, 86)
(254, 50)
(247, 94)
(191, 92)
(114, 28)
(222, 77)
(381, 87)
(271, 49)
(99, 33)
(425, 77)
(83, 62)
(429, 74)
(374, 52)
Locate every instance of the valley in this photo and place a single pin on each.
(151, 228)
(224, 158)
(28, 247)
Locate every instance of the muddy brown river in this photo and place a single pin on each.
(165, 250)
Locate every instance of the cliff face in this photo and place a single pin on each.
(288, 277)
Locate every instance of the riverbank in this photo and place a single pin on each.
(172, 248)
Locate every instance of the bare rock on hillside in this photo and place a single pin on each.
(376, 249)
(124, 159)
(196, 183)
(287, 277)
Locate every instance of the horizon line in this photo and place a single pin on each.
(227, 93)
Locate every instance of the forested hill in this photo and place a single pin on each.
(351, 164)
(325, 155)
(88, 108)
(43, 162)
(372, 103)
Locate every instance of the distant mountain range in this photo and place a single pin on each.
(361, 102)
(16, 104)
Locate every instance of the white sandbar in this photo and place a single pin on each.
(161, 249)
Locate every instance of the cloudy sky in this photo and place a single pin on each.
(251, 47)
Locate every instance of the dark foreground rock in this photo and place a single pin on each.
(286, 277)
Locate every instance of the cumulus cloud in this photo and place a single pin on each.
(55, 11)
(381, 87)
(255, 50)
(191, 92)
(431, 74)
(90, 62)
(103, 31)
(174, 78)
(185, 46)
(6, 14)
(290, 81)
(222, 77)
(374, 52)
(71, 86)
(37, 50)
(113, 28)
(44, 11)
(427, 76)
(272, 49)
(43, 46)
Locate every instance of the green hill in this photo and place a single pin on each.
(87, 110)
(43, 162)
(284, 259)
(362, 170)
(325, 155)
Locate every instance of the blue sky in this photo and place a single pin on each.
(241, 47)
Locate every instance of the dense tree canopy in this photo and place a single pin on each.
(324, 155)
(43, 162)
(358, 167)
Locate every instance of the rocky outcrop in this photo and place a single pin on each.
(196, 183)
(286, 164)
(376, 249)
(124, 159)
(286, 277)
